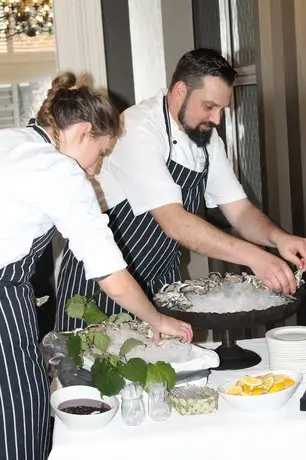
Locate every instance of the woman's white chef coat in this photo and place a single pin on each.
(39, 188)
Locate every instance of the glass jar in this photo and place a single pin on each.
(132, 406)
(159, 404)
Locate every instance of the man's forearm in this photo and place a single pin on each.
(201, 237)
(252, 224)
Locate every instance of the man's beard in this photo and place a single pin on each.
(197, 135)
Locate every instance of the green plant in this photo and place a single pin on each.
(110, 372)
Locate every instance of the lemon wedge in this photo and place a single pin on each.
(278, 378)
(234, 390)
(251, 381)
(267, 382)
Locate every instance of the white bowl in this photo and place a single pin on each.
(262, 403)
(201, 358)
(83, 422)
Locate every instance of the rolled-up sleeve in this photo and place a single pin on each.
(61, 190)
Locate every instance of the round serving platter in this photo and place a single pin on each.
(173, 301)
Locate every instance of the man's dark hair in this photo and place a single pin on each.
(199, 63)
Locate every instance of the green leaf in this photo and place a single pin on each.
(160, 372)
(118, 318)
(135, 370)
(114, 360)
(75, 306)
(91, 336)
(84, 344)
(93, 314)
(112, 318)
(74, 346)
(106, 378)
(101, 340)
(128, 345)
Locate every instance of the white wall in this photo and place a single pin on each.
(147, 47)
(177, 31)
(79, 37)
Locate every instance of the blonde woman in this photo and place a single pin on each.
(41, 188)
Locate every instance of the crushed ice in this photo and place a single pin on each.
(169, 350)
(234, 297)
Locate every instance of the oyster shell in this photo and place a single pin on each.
(298, 277)
(233, 278)
(175, 300)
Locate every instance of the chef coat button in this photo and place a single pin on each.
(174, 142)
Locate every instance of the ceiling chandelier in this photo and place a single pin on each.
(25, 17)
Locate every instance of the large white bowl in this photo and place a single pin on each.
(201, 358)
(262, 403)
(83, 422)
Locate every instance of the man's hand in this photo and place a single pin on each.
(274, 272)
(293, 249)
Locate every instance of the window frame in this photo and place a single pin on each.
(246, 75)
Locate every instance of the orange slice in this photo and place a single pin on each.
(257, 391)
(277, 387)
(251, 381)
(246, 389)
(289, 382)
(234, 390)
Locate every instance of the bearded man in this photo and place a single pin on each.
(170, 160)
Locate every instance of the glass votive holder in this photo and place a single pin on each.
(159, 404)
(132, 406)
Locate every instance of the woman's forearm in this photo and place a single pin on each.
(125, 291)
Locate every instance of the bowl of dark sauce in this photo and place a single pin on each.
(82, 408)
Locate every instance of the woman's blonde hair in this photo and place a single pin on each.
(67, 104)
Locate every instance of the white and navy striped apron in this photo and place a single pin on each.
(24, 386)
(152, 258)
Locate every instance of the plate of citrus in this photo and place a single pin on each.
(261, 392)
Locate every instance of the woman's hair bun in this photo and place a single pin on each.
(64, 81)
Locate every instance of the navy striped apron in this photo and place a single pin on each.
(24, 386)
(152, 258)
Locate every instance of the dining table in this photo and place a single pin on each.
(227, 434)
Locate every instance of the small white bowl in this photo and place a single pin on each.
(269, 402)
(83, 422)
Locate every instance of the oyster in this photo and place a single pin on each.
(298, 277)
(233, 278)
(173, 300)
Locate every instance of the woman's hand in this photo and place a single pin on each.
(124, 290)
(171, 326)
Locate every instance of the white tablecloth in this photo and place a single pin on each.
(225, 435)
